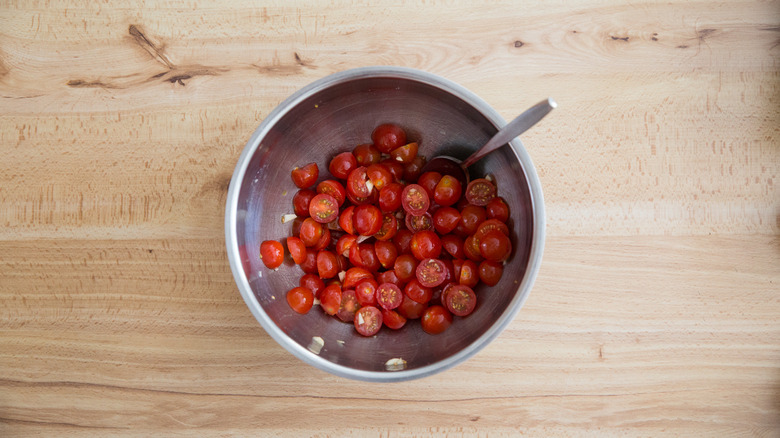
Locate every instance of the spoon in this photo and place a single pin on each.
(446, 165)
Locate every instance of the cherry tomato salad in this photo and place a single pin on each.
(381, 243)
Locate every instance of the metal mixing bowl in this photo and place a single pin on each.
(333, 115)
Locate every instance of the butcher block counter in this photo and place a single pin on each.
(656, 311)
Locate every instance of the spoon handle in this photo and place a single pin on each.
(519, 125)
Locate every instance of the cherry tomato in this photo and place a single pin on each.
(389, 296)
(305, 177)
(368, 320)
(446, 219)
(403, 240)
(309, 266)
(428, 181)
(413, 170)
(431, 272)
(327, 264)
(386, 253)
(301, 202)
(379, 175)
(312, 282)
(404, 154)
(363, 255)
(355, 276)
(342, 164)
(480, 192)
(415, 200)
(346, 220)
(470, 218)
(396, 169)
(367, 219)
(392, 319)
(348, 307)
(300, 299)
(436, 319)
(330, 299)
(344, 243)
(490, 272)
(272, 254)
(311, 232)
(387, 137)
(447, 191)
(495, 246)
(419, 223)
(497, 208)
(471, 249)
(457, 266)
(411, 309)
(469, 276)
(460, 300)
(490, 225)
(357, 183)
(418, 292)
(425, 244)
(390, 197)
(365, 291)
(389, 277)
(297, 249)
(366, 154)
(405, 267)
(388, 229)
(333, 188)
(324, 208)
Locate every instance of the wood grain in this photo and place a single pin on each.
(655, 312)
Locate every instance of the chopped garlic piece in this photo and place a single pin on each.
(370, 185)
(361, 239)
(395, 364)
(342, 275)
(316, 344)
(288, 217)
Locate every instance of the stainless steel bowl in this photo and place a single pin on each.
(332, 115)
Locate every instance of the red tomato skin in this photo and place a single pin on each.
(272, 254)
(305, 176)
(387, 137)
(490, 272)
(368, 320)
(411, 309)
(301, 201)
(425, 244)
(297, 249)
(436, 320)
(368, 220)
(312, 282)
(366, 154)
(342, 164)
(498, 209)
(300, 299)
(495, 246)
(392, 319)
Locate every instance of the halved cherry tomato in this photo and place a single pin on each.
(346, 220)
(366, 292)
(324, 241)
(435, 320)
(348, 307)
(445, 220)
(366, 154)
(389, 296)
(330, 299)
(344, 243)
(342, 164)
(324, 208)
(357, 183)
(386, 253)
(490, 225)
(327, 264)
(431, 272)
(411, 309)
(428, 181)
(392, 319)
(305, 177)
(389, 277)
(471, 249)
(468, 274)
(309, 266)
(379, 175)
(495, 246)
(312, 282)
(367, 219)
(272, 254)
(413, 170)
(403, 240)
(396, 169)
(363, 255)
(415, 200)
(387, 137)
(419, 223)
(490, 272)
(470, 218)
(418, 292)
(405, 267)
(497, 208)
(311, 232)
(461, 300)
(425, 244)
(368, 320)
(333, 188)
(480, 192)
(355, 275)
(388, 229)
(447, 191)
(404, 154)
(301, 202)
(297, 249)
(390, 197)
(300, 299)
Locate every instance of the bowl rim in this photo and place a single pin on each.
(231, 215)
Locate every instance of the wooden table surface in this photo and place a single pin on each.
(656, 308)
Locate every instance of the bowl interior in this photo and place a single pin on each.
(336, 119)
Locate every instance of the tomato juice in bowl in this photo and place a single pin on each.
(332, 116)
